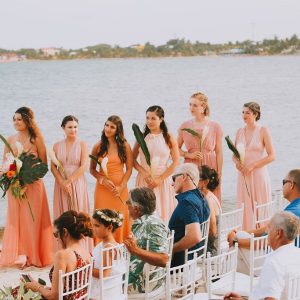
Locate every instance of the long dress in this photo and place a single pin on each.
(22, 234)
(79, 196)
(103, 197)
(258, 181)
(192, 144)
(165, 195)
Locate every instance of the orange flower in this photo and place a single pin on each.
(10, 174)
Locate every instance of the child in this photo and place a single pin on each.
(105, 222)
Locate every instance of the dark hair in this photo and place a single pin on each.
(68, 118)
(78, 224)
(161, 114)
(295, 176)
(255, 108)
(206, 173)
(120, 140)
(145, 198)
(28, 118)
(108, 217)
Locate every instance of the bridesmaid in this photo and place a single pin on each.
(27, 241)
(259, 152)
(161, 146)
(111, 189)
(70, 189)
(211, 153)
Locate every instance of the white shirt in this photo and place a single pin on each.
(279, 263)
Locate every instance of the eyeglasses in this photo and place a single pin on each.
(284, 181)
(56, 234)
(175, 176)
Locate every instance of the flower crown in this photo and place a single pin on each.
(118, 220)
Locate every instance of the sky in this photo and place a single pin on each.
(74, 24)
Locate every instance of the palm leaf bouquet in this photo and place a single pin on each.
(23, 168)
(20, 293)
(239, 153)
(199, 136)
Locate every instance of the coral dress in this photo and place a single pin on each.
(79, 199)
(165, 195)
(258, 180)
(192, 144)
(22, 235)
(103, 197)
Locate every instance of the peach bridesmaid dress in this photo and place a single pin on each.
(79, 196)
(209, 144)
(22, 235)
(103, 197)
(258, 180)
(165, 195)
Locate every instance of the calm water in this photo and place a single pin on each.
(94, 89)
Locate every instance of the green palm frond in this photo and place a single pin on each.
(94, 158)
(6, 143)
(141, 141)
(232, 147)
(192, 132)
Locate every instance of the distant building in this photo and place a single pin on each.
(138, 47)
(10, 57)
(51, 51)
(234, 51)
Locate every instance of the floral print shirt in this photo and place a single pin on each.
(147, 228)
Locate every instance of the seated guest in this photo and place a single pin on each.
(70, 228)
(146, 227)
(282, 230)
(190, 212)
(208, 182)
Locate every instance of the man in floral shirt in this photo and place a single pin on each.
(147, 226)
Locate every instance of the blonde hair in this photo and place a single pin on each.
(204, 100)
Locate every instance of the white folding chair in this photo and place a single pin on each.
(155, 276)
(181, 280)
(293, 287)
(77, 282)
(280, 201)
(263, 213)
(297, 241)
(200, 252)
(227, 222)
(220, 274)
(117, 264)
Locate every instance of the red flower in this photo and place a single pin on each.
(12, 167)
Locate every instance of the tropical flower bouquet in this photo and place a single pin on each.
(20, 293)
(199, 136)
(20, 170)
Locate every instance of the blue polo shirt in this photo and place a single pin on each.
(191, 208)
(294, 207)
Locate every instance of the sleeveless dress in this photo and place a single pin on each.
(117, 268)
(258, 180)
(191, 143)
(165, 195)
(79, 197)
(212, 243)
(22, 234)
(103, 197)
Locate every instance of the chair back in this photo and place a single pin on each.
(170, 245)
(181, 280)
(227, 222)
(115, 261)
(259, 250)
(263, 213)
(219, 267)
(293, 287)
(200, 252)
(297, 241)
(280, 201)
(76, 283)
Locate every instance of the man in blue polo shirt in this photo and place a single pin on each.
(190, 212)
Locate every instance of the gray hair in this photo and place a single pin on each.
(144, 198)
(191, 170)
(288, 222)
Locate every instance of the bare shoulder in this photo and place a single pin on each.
(83, 144)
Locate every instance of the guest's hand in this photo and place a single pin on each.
(32, 285)
(232, 296)
(230, 237)
(131, 244)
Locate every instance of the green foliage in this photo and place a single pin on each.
(192, 132)
(232, 147)
(32, 169)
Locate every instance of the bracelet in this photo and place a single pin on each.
(184, 154)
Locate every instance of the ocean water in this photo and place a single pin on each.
(95, 89)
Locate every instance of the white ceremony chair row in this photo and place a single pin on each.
(154, 276)
(227, 222)
(263, 213)
(293, 287)
(76, 281)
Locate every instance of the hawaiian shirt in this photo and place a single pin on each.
(146, 228)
